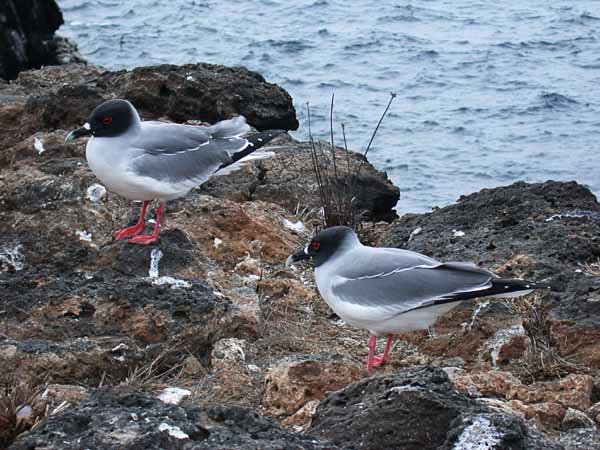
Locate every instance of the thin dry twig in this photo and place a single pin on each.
(337, 194)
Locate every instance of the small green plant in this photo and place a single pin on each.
(338, 193)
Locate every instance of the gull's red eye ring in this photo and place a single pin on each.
(107, 120)
(315, 245)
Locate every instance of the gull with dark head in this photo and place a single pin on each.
(150, 160)
(389, 291)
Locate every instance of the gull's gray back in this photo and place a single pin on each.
(399, 280)
(182, 153)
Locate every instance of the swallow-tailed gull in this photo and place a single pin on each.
(155, 160)
(388, 290)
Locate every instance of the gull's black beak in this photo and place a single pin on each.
(298, 256)
(85, 130)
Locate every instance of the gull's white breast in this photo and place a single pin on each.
(110, 160)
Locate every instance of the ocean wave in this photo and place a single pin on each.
(556, 100)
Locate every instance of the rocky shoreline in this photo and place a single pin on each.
(205, 340)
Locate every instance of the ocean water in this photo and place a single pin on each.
(487, 92)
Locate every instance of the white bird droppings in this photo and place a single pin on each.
(414, 232)
(84, 235)
(38, 145)
(155, 257)
(96, 192)
(480, 435)
(297, 227)
(174, 431)
(173, 395)
(12, 256)
(121, 346)
(173, 282)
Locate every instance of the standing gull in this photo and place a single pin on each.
(156, 160)
(389, 291)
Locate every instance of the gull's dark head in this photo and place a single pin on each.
(325, 245)
(109, 119)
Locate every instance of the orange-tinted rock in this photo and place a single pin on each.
(572, 391)
(514, 349)
(548, 413)
(301, 419)
(292, 383)
(66, 393)
(489, 384)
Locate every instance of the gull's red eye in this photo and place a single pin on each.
(315, 245)
(107, 120)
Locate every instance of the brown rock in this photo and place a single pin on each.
(572, 391)
(488, 384)
(548, 413)
(514, 349)
(66, 393)
(292, 383)
(301, 419)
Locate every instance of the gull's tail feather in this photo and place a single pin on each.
(249, 152)
(499, 288)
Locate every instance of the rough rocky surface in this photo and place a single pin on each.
(208, 309)
(287, 180)
(27, 37)
(549, 232)
(211, 315)
(418, 408)
(581, 439)
(121, 418)
(293, 383)
(62, 97)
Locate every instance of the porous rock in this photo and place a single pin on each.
(116, 418)
(292, 383)
(417, 408)
(546, 232)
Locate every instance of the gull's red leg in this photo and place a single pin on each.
(136, 229)
(150, 238)
(371, 357)
(380, 360)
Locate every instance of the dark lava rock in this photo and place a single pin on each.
(544, 231)
(27, 36)
(121, 418)
(418, 409)
(205, 92)
(581, 439)
(288, 179)
(62, 97)
(67, 325)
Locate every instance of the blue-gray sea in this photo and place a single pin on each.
(487, 92)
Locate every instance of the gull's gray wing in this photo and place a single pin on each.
(180, 153)
(401, 280)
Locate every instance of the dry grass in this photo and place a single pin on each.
(22, 408)
(592, 268)
(338, 194)
(167, 365)
(542, 359)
